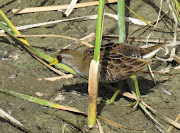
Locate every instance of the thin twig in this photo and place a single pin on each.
(143, 39)
(51, 35)
(70, 7)
(58, 7)
(15, 122)
(173, 50)
(46, 64)
(146, 25)
(157, 124)
(91, 17)
(100, 127)
(158, 15)
(52, 22)
(177, 119)
(57, 78)
(175, 20)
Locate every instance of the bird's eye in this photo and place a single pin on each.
(59, 58)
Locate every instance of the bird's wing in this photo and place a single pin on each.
(115, 69)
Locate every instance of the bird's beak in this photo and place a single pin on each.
(55, 61)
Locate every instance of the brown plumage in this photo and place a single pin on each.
(117, 60)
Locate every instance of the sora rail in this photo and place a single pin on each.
(118, 61)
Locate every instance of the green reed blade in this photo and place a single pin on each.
(99, 30)
(121, 20)
(37, 52)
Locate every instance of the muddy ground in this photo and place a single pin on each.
(19, 72)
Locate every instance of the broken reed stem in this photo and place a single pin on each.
(176, 58)
(94, 71)
(93, 93)
(70, 7)
(171, 127)
(12, 120)
(57, 7)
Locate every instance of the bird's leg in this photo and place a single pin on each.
(135, 85)
(113, 98)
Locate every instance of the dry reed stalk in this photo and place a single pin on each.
(58, 7)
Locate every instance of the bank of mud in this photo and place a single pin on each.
(19, 72)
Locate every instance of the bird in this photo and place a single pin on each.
(118, 61)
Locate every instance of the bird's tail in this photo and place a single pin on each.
(150, 52)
